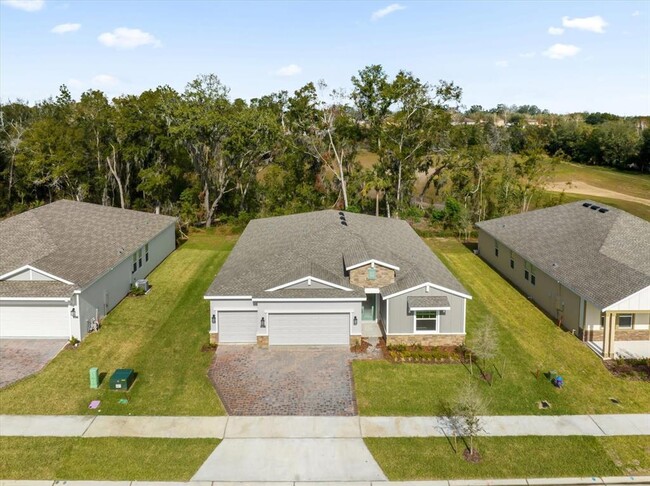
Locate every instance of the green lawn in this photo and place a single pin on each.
(160, 335)
(528, 340)
(110, 459)
(630, 183)
(513, 457)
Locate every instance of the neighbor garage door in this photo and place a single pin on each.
(34, 320)
(296, 329)
(237, 326)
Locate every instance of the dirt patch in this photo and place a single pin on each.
(579, 187)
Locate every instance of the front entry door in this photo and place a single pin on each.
(369, 308)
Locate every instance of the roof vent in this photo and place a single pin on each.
(594, 207)
(344, 223)
(342, 214)
(587, 205)
(603, 210)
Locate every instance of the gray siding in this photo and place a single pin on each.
(400, 321)
(106, 292)
(554, 298)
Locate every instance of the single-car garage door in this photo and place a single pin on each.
(237, 326)
(309, 329)
(34, 320)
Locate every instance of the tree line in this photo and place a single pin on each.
(389, 146)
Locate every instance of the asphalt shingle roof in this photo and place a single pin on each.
(278, 250)
(427, 301)
(75, 241)
(602, 256)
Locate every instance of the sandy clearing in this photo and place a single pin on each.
(579, 187)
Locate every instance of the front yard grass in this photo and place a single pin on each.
(109, 459)
(513, 457)
(159, 335)
(529, 340)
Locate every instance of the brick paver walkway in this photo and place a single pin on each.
(20, 358)
(284, 381)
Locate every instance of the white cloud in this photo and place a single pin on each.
(527, 55)
(26, 5)
(65, 28)
(503, 64)
(561, 51)
(125, 38)
(290, 70)
(592, 24)
(636, 13)
(393, 7)
(105, 80)
(75, 83)
(555, 30)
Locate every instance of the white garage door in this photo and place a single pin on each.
(34, 320)
(237, 326)
(321, 329)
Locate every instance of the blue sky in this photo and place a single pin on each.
(564, 56)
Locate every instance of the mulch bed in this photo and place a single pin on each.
(633, 369)
(425, 354)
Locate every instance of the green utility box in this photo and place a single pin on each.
(94, 377)
(122, 379)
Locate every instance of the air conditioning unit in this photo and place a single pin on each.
(143, 284)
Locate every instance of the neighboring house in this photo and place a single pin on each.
(66, 263)
(321, 278)
(585, 264)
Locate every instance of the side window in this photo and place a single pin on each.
(146, 252)
(140, 258)
(135, 263)
(496, 248)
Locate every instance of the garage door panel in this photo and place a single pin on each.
(309, 329)
(36, 320)
(237, 326)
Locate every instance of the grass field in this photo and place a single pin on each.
(528, 341)
(513, 457)
(630, 183)
(632, 207)
(110, 459)
(160, 335)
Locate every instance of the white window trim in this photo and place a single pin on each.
(415, 326)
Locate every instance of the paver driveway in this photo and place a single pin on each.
(20, 358)
(284, 381)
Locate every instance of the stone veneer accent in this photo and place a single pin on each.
(427, 339)
(214, 338)
(262, 341)
(354, 340)
(619, 335)
(359, 277)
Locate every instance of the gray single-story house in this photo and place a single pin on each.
(585, 264)
(66, 263)
(322, 278)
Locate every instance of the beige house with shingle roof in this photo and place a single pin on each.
(328, 278)
(585, 264)
(66, 263)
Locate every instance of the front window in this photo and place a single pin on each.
(625, 321)
(426, 321)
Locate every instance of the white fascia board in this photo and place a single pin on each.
(609, 307)
(371, 261)
(36, 299)
(429, 308)
(309, 278)
(311, 299)
(38, 270)
(227, 297)
(439, 287)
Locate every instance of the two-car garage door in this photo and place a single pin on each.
(309, 329)
(34, 320)
(286, 329)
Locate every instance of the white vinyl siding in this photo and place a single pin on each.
(34, 320)
(309, 329)
(237, 326)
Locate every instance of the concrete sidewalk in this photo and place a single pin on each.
(314, 427)
(604, 481)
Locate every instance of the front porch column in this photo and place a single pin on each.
(609, 334)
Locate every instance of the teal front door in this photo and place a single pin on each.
(369, 308)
